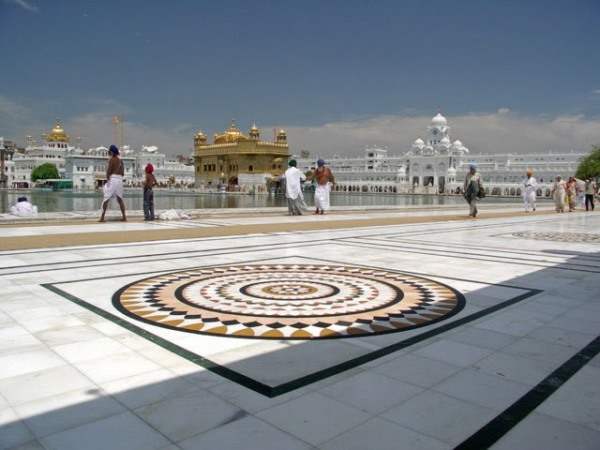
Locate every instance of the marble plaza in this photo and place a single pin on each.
(352, 333)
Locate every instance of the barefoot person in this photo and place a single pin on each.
(113, 188)
(324, 179)
(149, 183)
(293, 189)
(472, 189)
(529, 188)
(559, 193)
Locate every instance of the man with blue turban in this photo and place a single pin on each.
(324, 179)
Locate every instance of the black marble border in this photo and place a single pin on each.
(274, 391)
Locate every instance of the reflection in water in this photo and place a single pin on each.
(49, 201)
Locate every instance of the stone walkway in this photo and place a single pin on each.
(413, 335)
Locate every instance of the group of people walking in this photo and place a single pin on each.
(572, 193)
(566, 194)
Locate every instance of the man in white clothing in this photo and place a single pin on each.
(529, 188)
(293, 189)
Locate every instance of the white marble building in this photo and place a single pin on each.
(87, 168)
(436, 164)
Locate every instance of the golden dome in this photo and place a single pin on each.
(231, 134)
(254, 132)
(57, 134)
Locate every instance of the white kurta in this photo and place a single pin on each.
(529, 195)
(23, 209)
(293, 187)
(322, 196)
(113, 187)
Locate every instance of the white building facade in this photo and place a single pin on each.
(437, 165)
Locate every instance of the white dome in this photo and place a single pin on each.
(451, 171)
(457, 143)
(439, 120)
(445, 140)
(150, 148)
(418, 141)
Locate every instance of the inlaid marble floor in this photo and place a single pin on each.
(471, 333)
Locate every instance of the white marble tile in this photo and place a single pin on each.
(50, 415)
(454, 353)
(442, 417)
(381, 434)
(148, 388)
(91, 349)
(577, 400)
(371, 392)
(483, 389)
(119, 432)
(187, 415)
(121, 365)
(544, 432)
(314, 418)
(417, 370)
(27, 362)
(36, 385)
(246, 432)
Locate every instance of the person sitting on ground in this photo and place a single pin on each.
(149, 183)
(113, 188)
(23, 208)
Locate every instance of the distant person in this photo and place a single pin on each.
(559, 193)
(23, 208)
(113, 188)
(591, 188)
(293, 189)
(473, 189)
(149, 183)
(324, 179)
(529, 188)
(572, 194)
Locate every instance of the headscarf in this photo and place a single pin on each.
(292, 163)
(21, 199)
(320, 163)
(114, 150)
(149, 168)
(473, 167)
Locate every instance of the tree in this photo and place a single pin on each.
(45, 172)
(589, 167)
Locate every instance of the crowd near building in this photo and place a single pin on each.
(436, 164)
(87, 168)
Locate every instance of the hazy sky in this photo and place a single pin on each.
(338, 74)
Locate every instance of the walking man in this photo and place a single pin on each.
(113, 188)
(472, 189)
(590, 190)
(529, 188)
(293, 189)
(324, 179)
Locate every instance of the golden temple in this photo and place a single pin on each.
(236, 159)
(57, 134)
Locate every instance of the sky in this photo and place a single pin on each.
(510, 76)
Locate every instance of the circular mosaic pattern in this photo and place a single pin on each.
(589, 238)
(288, 301)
